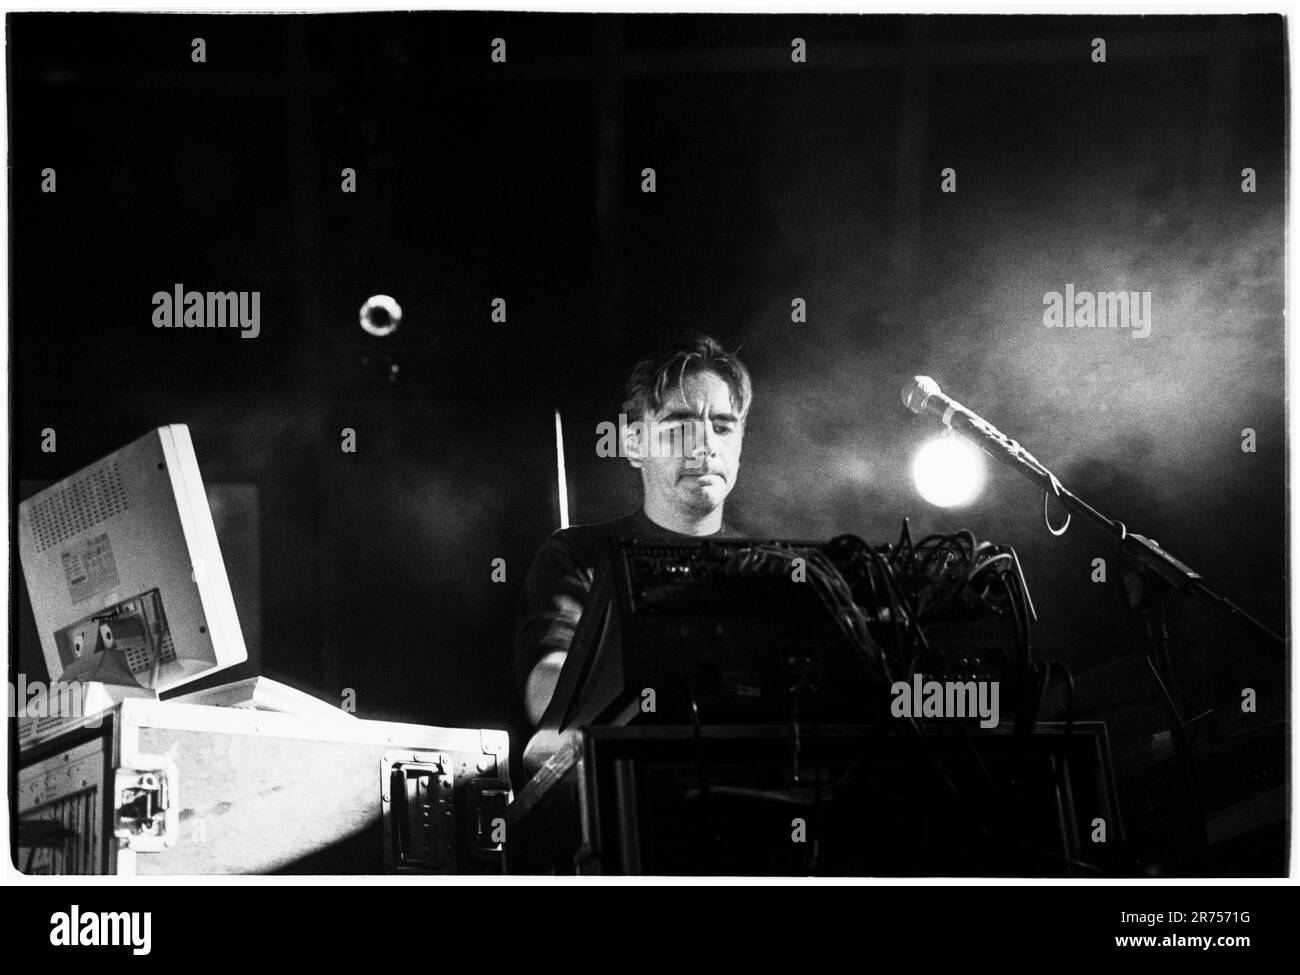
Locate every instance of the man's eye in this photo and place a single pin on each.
(723, 428)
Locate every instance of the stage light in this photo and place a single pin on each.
(949, 472)
(381, 315)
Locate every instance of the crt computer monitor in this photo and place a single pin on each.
(127, 583)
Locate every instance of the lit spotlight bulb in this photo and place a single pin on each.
(949, 472)
(381, 315)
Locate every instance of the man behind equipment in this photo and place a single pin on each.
(685, 410)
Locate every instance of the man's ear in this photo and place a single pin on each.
(635, 442)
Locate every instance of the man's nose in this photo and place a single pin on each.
(703, 442)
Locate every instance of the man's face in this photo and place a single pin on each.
(690, 453)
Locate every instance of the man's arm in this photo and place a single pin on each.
(550, 605)
(540, 685)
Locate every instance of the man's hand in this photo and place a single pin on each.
(541, 685)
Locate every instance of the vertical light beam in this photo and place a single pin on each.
(561, 481)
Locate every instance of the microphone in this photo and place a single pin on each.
(922, 395)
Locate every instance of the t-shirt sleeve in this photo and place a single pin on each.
(550, 604)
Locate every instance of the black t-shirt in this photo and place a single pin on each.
(560, 579)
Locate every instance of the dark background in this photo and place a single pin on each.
(776, 180)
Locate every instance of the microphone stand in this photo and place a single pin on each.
(1168, 573)
(1141, 549)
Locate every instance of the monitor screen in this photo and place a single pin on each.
(126, 579)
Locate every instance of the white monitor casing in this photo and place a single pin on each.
(132, 531)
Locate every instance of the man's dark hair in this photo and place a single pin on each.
(656, 378)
